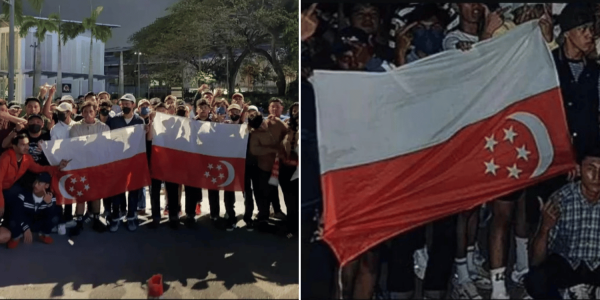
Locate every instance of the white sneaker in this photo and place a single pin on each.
(517, 276)
(465, 290)
(481, 277)
(71, 224)
(580, 291)
(62, 229)
(420, 260)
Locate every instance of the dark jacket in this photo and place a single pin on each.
(31, 209)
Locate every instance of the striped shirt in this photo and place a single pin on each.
(577, 69)
(576, 235)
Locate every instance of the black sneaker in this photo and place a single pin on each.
(231, 224)
(75, 231)
(98, 226)
(174, 224)
(219, 223)
(154, 224)
(249, 225)
(190, 222)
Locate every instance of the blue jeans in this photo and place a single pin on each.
(142, 201)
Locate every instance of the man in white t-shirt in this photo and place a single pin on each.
(472, 16)
(61, 129)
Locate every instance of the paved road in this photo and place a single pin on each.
(206, 263)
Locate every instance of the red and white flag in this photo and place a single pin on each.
(200, 154)
(436, 137)
(102, 165)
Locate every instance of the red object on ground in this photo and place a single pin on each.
(12, 244)
(155, 286)
(198, 211)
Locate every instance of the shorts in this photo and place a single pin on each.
(512, 197)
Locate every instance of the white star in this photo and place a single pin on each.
(83, 179)
(219, 167)
(490, 167)
(207, 174)
(214, 180)
(87, 187)
(513, 171)
(210, 166)
(509, 134)
(72, 189)
(73, 180)
(221, 176)
(79, 193)
(522, 153)
(490, 143)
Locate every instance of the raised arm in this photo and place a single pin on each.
(48, 104)
(547, 231)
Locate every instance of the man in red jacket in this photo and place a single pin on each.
(13, 164)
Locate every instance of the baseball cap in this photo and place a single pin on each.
(234, 106)
(574, 15)
(207, 92)
(252, 107)
(143, 101)
(14, 104)
(44, 177)
(35, 116)
(103, 92)
(65, 106)
(128, 97)
(155, 101)
(237, 94)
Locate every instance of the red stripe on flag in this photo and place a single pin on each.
(102, 181)
(198, 170)
(369, 204)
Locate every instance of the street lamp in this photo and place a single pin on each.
(139, 73)
(11, 50)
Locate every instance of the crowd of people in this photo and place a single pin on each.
(556, 223)
(27, 202)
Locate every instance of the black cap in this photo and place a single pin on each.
(35, 116)
(575, 15)
(44, 177)
(349, 35)
(33, 99)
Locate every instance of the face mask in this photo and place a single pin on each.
(234, 117)
(126, 110)
(181, 113)
(256, 122)
(104, 112)
(35, 128)
(145, 111)
(62, 116)
(429, 41)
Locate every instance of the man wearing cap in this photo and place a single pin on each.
(250, 180)
(37, 212)
(14, 108)
(353, 50)
(33, 107)
(13, 164)
(124, 119)
(61, 129)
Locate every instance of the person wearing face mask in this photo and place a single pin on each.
(104, 111)
(124, 119)
(266, 136)
(61, 129)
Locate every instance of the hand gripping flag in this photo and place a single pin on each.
(436, 137)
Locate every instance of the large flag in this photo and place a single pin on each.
(102, 165)
(199, 154)
(436, 137)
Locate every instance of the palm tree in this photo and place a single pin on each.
(66, 32)
(41, 28)
(35, 4)
(98, 32)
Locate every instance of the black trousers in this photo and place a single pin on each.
(441, 257)
(215, 207)
(250, 179)
(131, 200)
(264, 195)
(544, 281)
(172, 190)
(67, 213)
(155, 199)
(291, 190)
(193, 195)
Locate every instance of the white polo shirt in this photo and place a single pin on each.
(61, 130)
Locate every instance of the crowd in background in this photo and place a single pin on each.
(556, 223)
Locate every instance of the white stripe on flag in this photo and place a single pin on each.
(207, 138)
(97, 149)
(369, 117)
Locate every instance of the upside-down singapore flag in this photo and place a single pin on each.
(200, 154)
(102, 165)
(436, 137)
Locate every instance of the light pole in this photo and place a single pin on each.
(139, 73)
(35, 84)
(11, 51)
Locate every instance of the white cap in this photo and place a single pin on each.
(252, 107)
(65, 106)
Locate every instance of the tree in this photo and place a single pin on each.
(66, 32)
(42, 27)
(98, 32)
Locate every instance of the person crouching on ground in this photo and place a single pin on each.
(37, 212)
(14, 163)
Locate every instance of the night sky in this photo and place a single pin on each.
(132, 15)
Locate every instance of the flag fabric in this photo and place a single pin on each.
(102, 165)
(436, 137)
(200, 154)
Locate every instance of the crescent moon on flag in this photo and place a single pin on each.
(61, 186)
(541, 138)
(230, 173)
